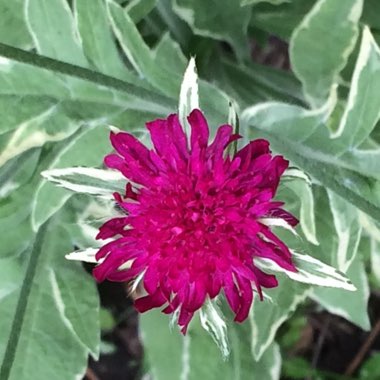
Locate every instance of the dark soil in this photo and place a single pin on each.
(342, 350)
(125, 362)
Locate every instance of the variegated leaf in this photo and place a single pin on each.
(335, 25)
(309, 271)
(188, 97)
(87, 180)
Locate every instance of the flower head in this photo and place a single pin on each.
(194, 218)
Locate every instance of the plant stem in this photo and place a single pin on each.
(363, 350)
(54, 65)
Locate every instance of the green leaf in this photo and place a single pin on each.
(97, 40)
(280, 20)
(86, 88)
(353, 305)
(37, 90)
(14, 219)
(348, 230)
(340, 250)
(13, 30)
(212, 321)
(317, 65)
(107, 320)
(165, 19)
(214, 102)
(223, 20)
(52, 27)
(352, 186)
(252, 83)
(293, 173)
(371, 368)
(285, 120)
(166, 361)
(50, 125)
(47, 297)
(87, 255)
(370, 226)
(267, 316)
(27, 107)
(196, 356)
(87, 180)
(18, 171)
(48, 198)
(375, 259)
(363, 106)
(139, 9)
(137, 52)
(309, 271)
(297, 368)
(366, 161)
(79, 294)
(34, 85)
(299, 135)
(371, 15)
(18, 79)
(274, 2)
(307, 217)
(168, 54)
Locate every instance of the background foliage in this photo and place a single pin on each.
(68, 69)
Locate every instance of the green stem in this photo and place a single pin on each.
(54, 65)
(22, 303)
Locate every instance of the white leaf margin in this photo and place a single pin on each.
(259, 350)
(309, 271)
(295, 173)
(188, 96)
(60, 177)
(367, 46)
(85, 255)
(213, 323)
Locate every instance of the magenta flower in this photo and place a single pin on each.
(195, 218)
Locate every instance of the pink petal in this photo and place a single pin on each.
(199, 129)
(129, 193)
(112, 227)
(131, 169)
(220, 142)
(214, 285)
(196, 297)
(111, 264)
(246, 298)
(251, 151)
(114, 246)
(151, 278)
(125, 275)
(273, 173)
(232, 293)
(193, 226)
(169, 140)
(179, 136)
(272, 252)
(131, 148)
(146, 303)
(184, 319)
(265, 279)
(285, 215)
